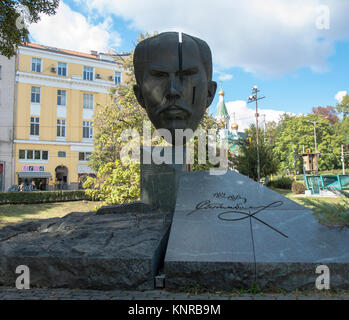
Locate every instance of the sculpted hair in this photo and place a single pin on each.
(140, 57)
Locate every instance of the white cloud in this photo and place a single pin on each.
(245, 116)
(224, 76)
(269, 37)
(69, 29)
(339, 96)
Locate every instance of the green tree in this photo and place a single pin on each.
(343, 106)
(208, 122)
(246, 161)
(294, 132)
(342, 129)
(116, 182)
(12, 29)
(271, 132)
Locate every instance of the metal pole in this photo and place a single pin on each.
(258, 161)
(343, 163)
(252, 98)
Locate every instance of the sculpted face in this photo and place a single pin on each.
(170, 103)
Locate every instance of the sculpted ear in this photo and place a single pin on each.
(138, 93)
(211, 87)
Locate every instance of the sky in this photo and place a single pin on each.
(295, 51)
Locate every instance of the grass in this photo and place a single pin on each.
(17, 213)
(333, 212)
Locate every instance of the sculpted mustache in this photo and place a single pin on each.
(166, 104)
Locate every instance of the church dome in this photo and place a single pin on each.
(234, 126)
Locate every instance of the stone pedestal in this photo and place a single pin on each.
(159, 182)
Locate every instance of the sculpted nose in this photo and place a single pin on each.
(172, 90)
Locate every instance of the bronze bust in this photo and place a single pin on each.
(174, 80)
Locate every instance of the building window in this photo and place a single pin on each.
(88, 101)
(35, 94)
(21, 154)
(62, 154)
(33, 155)
(36, 65)
(44, 155)
(117, 77)
(87, 130)
(60, 128)
(34, 126)
(30, 155)
(88, 73)
(84, 156)
(61, 97)
(62, 69)
(37, 155)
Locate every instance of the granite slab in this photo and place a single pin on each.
(229, 231)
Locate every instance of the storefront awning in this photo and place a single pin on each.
(31, 174)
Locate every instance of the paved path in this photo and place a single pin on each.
(7, 293)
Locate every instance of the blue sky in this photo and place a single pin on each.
(294, 51)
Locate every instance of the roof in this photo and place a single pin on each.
(72, 52)
(222, 109)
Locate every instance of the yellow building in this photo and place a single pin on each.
(56, 94)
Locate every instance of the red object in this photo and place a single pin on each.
(1, 168)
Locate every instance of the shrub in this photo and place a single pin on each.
(282, 183)
(116, 183)
(298, 188)
(42, 196)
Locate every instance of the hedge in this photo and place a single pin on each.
(42, 196)
(282, 183)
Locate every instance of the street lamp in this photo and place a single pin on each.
(252, 98)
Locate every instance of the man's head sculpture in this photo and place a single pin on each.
(174, 80)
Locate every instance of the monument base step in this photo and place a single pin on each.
(267, 277)
(86, 251)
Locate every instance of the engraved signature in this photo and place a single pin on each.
(246, 212)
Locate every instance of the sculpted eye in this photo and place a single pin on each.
(158, 74)
(190, 72)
